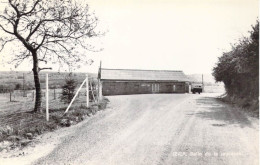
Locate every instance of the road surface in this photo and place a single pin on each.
(161, 129)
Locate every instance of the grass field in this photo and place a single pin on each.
(25, 80)
(17, 119)
(214, 88)
(21, 103)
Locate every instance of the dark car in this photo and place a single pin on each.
(196, 88)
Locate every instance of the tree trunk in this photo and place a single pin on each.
(38, 96)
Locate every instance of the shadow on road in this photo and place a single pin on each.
(211, 108)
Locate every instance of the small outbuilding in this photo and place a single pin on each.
(132, 81)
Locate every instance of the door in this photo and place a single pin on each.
(155, 88)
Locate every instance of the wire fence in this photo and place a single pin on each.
(18, 95)
(23, 99)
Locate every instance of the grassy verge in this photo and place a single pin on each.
(26, 126)
(251, 106)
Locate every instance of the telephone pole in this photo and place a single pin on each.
(202, 84)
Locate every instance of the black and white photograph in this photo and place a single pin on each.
(129, 82)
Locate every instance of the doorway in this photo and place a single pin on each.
(155, 88)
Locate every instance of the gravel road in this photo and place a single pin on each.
(161, 129)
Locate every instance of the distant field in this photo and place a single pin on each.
(214, 89)
(56, 79)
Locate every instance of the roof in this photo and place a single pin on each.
(132, 74)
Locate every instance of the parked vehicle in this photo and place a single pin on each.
(196, 88)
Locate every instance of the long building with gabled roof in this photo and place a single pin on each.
(133, 81)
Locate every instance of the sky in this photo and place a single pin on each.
(183, 35)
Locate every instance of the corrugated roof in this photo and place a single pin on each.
(132, 74)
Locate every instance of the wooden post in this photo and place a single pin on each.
(100, 90)
(99, 83)
(47, 98)
(97, 92)
(54, 94)
(10, 96)
(87, 91)
(202, 83)
(23, 86)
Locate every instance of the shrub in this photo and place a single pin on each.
(18, 86)
(239, 69)
(68, 89)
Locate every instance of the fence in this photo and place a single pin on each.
(27, 97)
(56, 81)
(54, 94)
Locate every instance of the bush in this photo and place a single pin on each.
(18, 86)
(68, 89)
(239, 69)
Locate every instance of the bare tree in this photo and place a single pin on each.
(47, 31)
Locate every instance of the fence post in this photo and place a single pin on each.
(23, 86)
(87, 91)
(10, 96)
(100, 90)
(47, 98)
(54, 94)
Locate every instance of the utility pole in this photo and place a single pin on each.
(99, 82)
(202, 84)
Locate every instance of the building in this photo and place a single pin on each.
(131, 81)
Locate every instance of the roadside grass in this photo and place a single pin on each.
(25, 126)
(248, 105)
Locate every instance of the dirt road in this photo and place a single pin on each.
(161, 129)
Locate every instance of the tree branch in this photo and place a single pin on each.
(5, 42)
(9, 20)
(35, 4)
(44, 68)
(6, 30)
(15, 8)
(41, 43)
